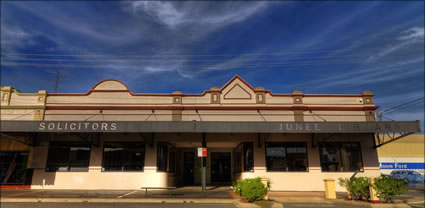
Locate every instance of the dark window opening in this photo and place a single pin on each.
(13, 167)
(248, 157)
(244, 157)
(65, 156)
(340, 156)
(286, 156)
(166, 158)
(238, 161)
(128, 156)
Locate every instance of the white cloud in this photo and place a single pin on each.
(365, 75)
(13, 37)
(176, 14)
(79, 22)
(415, 33)
(409, 37)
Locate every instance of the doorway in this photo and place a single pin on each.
(221, 167)
(188, 168)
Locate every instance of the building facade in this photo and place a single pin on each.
(112, 138)
(406, 154)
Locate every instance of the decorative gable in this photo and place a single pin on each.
(238, 89)
(110, 84)
(237, 92)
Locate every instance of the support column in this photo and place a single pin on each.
(203, 164)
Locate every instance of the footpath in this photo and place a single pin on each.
(218, 195)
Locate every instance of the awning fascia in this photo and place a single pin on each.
(208, 127)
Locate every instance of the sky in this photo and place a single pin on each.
(323, 47)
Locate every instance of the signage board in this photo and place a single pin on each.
(202, 152)
(402, 165)
(209, 126)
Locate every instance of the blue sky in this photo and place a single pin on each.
(158, 46)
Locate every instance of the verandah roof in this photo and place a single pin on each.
(209, 126)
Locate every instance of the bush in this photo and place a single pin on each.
(237, 187)
(251, 188)
(387, 187)
(359, 187)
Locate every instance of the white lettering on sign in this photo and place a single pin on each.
(299, 127)
(74, 126)
(202, 152)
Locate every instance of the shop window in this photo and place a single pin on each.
(286, 156)
(13, 166)
(127, 156)
(340, 156)
(244, 157)
(65, 156)
(166, 158)
(238, 161)
(248, 156)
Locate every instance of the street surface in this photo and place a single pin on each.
(317, 205)
(111, 205)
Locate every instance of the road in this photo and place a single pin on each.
(111, 205)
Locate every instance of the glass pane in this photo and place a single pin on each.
(238, 162)
(79, 158)
(351, 157)
(248, 157)
(330, 159)
(172, 165)
(276, 157)
(134, 156)
(13, 167)
(58, 157)
(162, 157)
(113, 158)
(296, 157)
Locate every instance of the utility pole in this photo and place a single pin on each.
(58, 74)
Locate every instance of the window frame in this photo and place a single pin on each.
(307, 167)
(170, 149)
(69, 144)
(124, 162)
(340, 145)
(244, 159)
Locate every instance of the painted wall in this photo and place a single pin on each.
(404, 154)
(311, 180)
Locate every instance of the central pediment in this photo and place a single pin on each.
(237, 92)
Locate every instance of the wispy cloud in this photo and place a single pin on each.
(12, 37)
(180, 14)
(407, 37)
(365, 75)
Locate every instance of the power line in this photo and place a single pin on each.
(399, 107)
(188, 66)
(394, 111)
(185, 55)
(187, 60)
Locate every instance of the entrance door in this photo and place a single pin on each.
(220, 167)
(188, 168)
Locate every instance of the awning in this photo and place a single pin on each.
(209, 127)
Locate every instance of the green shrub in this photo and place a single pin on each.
(387, 187)
(358, 186)
(251, 188)
(237, 187)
